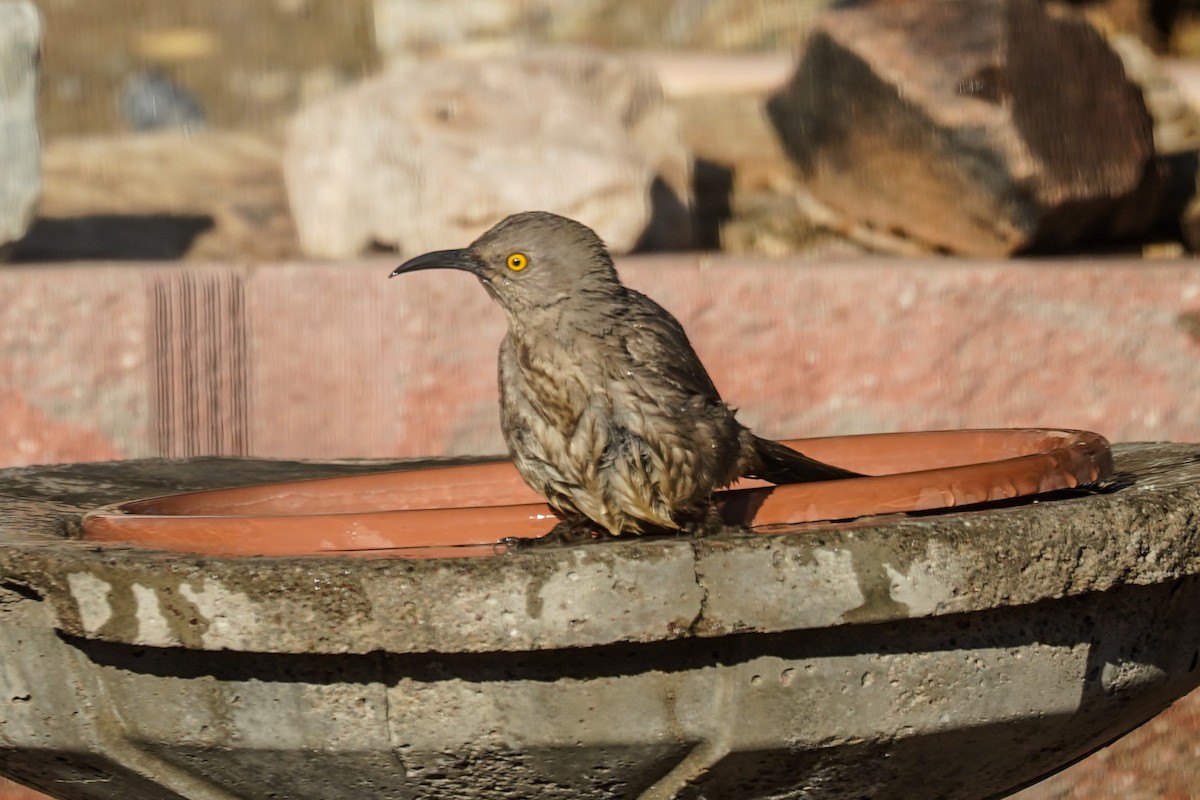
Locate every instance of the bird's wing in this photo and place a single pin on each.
(656, 342)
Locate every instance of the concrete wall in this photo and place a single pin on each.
(333, 360)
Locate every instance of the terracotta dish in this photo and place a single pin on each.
(472, 510)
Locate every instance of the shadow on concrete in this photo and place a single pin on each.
(1112, 624)
(111, 237)
(1128, 624)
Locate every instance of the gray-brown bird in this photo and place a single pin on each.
(605, 407)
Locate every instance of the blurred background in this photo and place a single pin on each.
(870, 216)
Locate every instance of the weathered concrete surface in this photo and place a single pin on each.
(960, 654)
(334, 360)
(20, 183)
(637, 590)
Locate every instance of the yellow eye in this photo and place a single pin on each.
(518, 262)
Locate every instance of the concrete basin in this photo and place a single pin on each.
(943, 655)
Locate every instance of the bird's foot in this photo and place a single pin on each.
(572, 530)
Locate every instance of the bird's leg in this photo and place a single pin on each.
(575, 528)
(709, 523)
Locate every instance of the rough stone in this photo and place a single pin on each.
(936, 121)
(953, 655)
(20, 182)
(429, 155)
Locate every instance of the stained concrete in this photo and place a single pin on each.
(949, 655)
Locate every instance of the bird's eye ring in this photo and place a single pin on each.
(518, 262)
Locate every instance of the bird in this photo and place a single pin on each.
(605, 407)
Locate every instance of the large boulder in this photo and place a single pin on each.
(429, 155)
(20, 182)
(983, 128)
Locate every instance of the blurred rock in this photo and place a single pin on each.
(728, 25)
(740, 165)
(774, 215)
(20, 181)
(982, 128)
(429, 155)
(173, 45)
(1176, 133)
(206, 196)
(294, 7)
(1176, 138)
(1176, 122)
(152, 101)
(729, 128)
(208, 48)
(407, 27)
(778, 225)
(1189, 219)
(694, 73)
(1150, 21)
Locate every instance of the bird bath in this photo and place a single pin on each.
(955, 654)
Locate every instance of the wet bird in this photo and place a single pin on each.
(604, 405)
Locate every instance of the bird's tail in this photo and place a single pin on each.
(779, 463)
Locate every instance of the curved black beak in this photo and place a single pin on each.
(442, 259)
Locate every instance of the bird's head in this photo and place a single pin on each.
(529, 261)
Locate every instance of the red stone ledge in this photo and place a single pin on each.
(316, 360)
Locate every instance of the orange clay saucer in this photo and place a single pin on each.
(471, 510)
